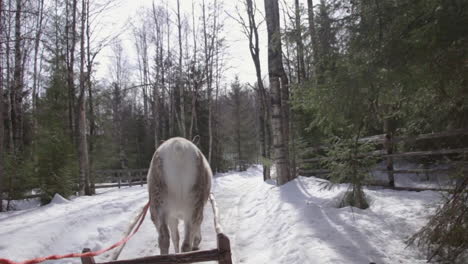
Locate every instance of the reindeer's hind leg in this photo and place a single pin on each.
(192, 237)
(201, 189)
(174, 228)
(197, 237)
(157, 190)
(188, 236)
(160, 222)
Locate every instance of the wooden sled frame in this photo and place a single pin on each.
(222, 253)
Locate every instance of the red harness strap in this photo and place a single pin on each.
(87, 254)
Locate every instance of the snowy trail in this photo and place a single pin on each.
(296, 223)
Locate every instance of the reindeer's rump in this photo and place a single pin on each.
(180, 175)
(179, 183)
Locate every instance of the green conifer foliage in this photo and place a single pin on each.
(55, 165)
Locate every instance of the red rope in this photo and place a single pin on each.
(87, 254)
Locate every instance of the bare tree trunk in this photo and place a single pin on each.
(164, 121)
(10, 90)
(301, 73)
(287, 55)
(290, 115)
(218, 67)
(83, 158)
(209, 50)
(157, 120)
(2, 134)
(70, 67)
(313, 35)
(156, 115)
(35, 71)
(17, 91)
(279, 92)
(195, 76)
(92, 124)
(180, 82)
(252, 35)
(208, 69)
(170, 109)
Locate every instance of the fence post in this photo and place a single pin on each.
(87, 260)
(129, 175)
(388, 145)
(224, 248)
(119, 176)
(142, 179)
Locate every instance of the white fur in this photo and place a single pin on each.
(179, 183)
(179, 159)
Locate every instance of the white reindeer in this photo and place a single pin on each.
(179, 183)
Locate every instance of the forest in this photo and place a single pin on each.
(76, 99)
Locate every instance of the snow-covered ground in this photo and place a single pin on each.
(295, 223)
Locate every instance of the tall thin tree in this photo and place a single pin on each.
(71, 36)
(2, 152)
(279, 93)
(180, 82)
(17, 91)
(83, 157)
(301, 71)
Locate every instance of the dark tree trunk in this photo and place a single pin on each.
(2, 134)
(83, 158)
(35, 71)
(301, 72)
(279, 93)
(17, 91)
(10, 90)
(264, 116)
(70, 67)
(313, 34)
(92, 124)
(180, 82)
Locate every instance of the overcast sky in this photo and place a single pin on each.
(238, 56)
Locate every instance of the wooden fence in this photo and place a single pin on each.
(107, 179)
(388, 144)
(120, 178)
(222, 253)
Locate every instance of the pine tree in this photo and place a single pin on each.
(56, 166)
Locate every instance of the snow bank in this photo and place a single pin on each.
(19, 205)
(299, 223)
(58, 199)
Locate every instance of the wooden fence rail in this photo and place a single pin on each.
(107, 179)
(380, 139)
(387, 153)
(380, 153)
(120, 178)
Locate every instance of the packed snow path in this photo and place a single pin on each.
(296, 223)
